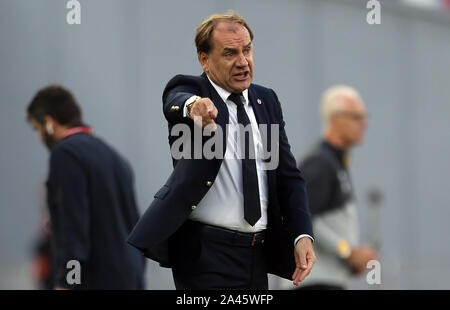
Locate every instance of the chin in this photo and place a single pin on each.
(242, 86)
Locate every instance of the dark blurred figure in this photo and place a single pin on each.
(41, 263)
(41, 260)
(330, 192)
(90, 196)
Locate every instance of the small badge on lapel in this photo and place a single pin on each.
(259, 101)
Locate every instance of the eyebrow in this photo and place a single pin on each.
(232, 49)
(229, 49)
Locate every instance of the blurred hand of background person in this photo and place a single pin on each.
(359, 257)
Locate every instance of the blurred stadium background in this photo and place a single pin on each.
(118, 61)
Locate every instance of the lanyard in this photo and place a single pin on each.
(75, 130)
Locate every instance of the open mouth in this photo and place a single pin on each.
(241, 76)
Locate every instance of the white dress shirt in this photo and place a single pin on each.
(223, 204)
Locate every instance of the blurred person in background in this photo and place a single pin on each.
(331, 194)
(90, 197)
(41, 255)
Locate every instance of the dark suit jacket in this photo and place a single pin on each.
(288, 211)
(92, 211)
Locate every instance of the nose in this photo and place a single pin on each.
(242, 61)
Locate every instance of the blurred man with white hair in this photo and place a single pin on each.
(330, 192)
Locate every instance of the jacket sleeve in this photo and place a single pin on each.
(177, 91)
(71, 217)
(320, 178)
(329, 239)
(291, 187)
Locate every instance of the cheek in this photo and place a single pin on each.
(222, 69)
(351, 130)
(250, 62)
(344, 127)
(355, 128)
(43, 135)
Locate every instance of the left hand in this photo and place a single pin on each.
(304, 260)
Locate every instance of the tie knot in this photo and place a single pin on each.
(236, 98)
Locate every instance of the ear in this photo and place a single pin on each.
(48, 119)
(203, 58)
(49, 124)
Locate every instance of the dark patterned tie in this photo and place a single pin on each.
(252, 208)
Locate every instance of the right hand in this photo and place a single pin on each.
(360, 256)
(203, 112)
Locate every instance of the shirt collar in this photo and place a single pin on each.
(224, 94)
(339, 153)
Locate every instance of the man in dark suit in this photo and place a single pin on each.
(228, 220)
(90, 198)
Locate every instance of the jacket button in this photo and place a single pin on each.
(174, 108)
(193, 207)
(209, 183)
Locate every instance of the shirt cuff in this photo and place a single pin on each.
(301, 236)
(185, 111)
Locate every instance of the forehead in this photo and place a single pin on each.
(230, 34)
(353, 104)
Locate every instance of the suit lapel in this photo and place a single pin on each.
(257, 107)
(260, 110)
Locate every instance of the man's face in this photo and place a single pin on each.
(351, 121)
(47, 139)
(230, 61)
